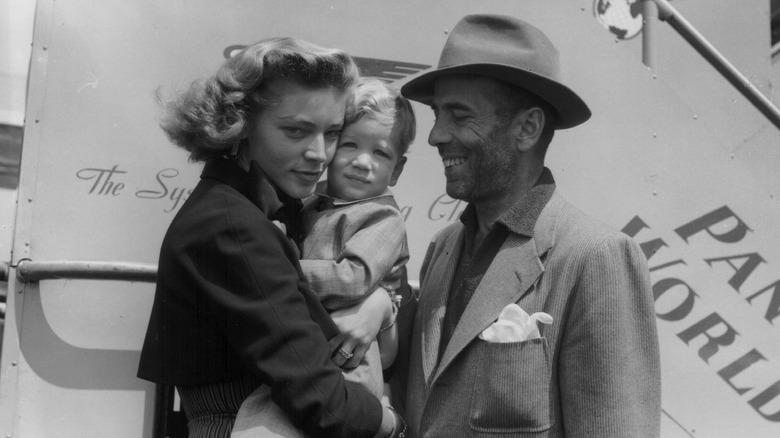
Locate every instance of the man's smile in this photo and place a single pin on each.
(453, 161)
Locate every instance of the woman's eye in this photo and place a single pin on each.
(333, 133)
(294, 132)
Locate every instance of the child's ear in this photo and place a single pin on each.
(399, 167)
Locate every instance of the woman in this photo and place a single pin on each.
(232, 310)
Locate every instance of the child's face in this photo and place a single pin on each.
(366, 161)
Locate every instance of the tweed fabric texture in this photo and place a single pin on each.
(350, 249)
(595, 371)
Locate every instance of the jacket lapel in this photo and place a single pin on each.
(433, 303)
(510, 278)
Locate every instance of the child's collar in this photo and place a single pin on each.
(322, 190)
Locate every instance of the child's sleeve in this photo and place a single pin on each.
(374, 245)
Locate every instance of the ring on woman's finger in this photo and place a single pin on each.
(346, 355)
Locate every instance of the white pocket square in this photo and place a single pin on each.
(515, 325)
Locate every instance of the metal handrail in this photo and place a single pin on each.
(666, 12)
(29, 271)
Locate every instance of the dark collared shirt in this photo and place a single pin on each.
(474, 262)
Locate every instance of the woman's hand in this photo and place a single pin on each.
(359, 326)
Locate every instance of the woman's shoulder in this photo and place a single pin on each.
(212, 206)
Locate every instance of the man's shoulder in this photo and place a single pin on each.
(575, 227)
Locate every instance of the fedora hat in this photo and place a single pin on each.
(507, 49)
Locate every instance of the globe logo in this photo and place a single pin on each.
(621, 17)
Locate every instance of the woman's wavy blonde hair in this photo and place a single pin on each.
(210, 117)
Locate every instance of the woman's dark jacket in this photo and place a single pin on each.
(232, 301)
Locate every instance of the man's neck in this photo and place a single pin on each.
(488, 211)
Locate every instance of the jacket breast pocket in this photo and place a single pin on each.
(512, 387)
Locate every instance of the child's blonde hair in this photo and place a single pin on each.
(384, 103)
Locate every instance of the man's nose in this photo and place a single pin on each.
(439, 134)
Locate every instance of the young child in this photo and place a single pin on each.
(355, 233)
(355, 237)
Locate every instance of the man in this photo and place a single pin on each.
(594, 370)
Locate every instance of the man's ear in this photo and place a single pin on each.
(399, 167)
(528, 125)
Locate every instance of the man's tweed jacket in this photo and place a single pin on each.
(594, 372)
